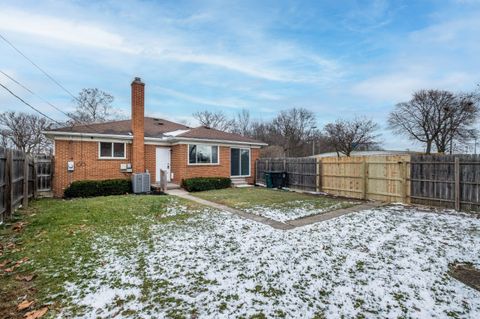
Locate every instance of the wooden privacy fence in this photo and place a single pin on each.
(383, 178)
(19, 179)
(451, 181)
(303, 173)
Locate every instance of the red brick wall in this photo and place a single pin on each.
(138, 123)
(87, 165)
(254, 154)
(182, 170)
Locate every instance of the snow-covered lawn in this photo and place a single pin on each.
(301, 208)
(280, 205)
(390, 262)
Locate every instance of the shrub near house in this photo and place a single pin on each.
(199, 184)
(98, 188)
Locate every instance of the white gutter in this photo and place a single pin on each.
(171, 139)
(58, 133)
(194, 139)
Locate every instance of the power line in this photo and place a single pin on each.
(28, 104)
(45, 101)
(37, 66)
(34, 94)
(48, 76)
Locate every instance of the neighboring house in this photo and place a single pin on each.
(119, 148)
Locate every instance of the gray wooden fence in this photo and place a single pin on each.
(303, 173)
(19, 180)
(451, 181)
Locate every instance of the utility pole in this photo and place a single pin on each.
(313, 141)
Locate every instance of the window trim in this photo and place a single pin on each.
(249, 162)
(112, 157)
(203, 164)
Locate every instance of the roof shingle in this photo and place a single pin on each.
(156, 128)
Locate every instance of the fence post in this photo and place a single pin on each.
(8, 185)
(35, 185)
(25, 181)
(403, 176)
(365, 178)
(457, 183)
(318, 175)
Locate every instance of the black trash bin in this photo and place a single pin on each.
(276, 179)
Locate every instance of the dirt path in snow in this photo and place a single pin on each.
(290, 224)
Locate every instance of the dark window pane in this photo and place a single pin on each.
(235, 162)
(215, 154)
(192, 154)
(245, 162)
(118, 150)
(204, 154)
(105, 149)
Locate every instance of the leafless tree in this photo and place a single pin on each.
(24, 132)
(93, 106)
(292, 129)
(347, 136)
(456, 122)
(242, 123)
(435, 117)
(216, 120)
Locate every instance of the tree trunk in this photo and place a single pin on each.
(428, 150)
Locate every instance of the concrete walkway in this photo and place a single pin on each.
(290, 224)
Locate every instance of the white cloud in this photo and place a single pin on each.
(229, 103)
(69, 31)
(272, 61)
(398, 87)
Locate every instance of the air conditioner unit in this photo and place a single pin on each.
(141, 183)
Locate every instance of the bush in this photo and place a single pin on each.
(98, 188)
(199, 184)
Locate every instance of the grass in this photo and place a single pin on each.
(58, 240)
(259, 196)
(286, 202)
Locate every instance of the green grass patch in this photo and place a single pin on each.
(251, 197)
(58, 238)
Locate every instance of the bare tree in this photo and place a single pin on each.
(93, 106)
(216, 120)
(242, 123)
(347, 136)
(24, 132)
(292, 129)
(456, 122)
(435, 117)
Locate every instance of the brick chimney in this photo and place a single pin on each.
(138, 130)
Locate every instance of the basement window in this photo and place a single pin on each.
(112, 150)
(202, 154)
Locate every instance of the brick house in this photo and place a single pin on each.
(119, 148)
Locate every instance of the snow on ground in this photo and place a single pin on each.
(301, 209)
(385, 263)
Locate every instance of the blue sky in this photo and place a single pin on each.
(337, 58)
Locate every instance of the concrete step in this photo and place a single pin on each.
(240, 182)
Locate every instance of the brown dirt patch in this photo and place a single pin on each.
(467, 274)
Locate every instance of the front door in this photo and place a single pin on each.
(163, 162)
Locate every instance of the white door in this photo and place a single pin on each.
(163, 162)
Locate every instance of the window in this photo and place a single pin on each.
(202, 154)
(112, 150)
(240, 162)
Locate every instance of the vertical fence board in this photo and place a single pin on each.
(450, 181)
(302, 172)
(18, 179)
